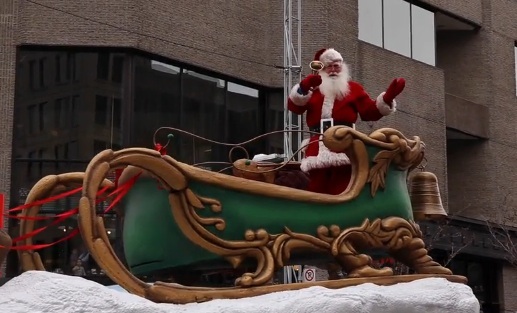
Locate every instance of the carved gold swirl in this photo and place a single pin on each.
(271, 251)
(399, 150)
(401, 238)
(44, 188)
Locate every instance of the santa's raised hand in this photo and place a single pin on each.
(395, 88)
(310, 82)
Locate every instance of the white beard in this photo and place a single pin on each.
(335, 87)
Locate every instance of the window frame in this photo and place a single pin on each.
(410, 26)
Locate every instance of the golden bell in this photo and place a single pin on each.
(425, 197)
(316, 66)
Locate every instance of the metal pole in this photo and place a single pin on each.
(286, 83)
(299, 72)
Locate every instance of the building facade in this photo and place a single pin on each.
(82, 76)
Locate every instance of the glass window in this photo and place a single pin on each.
(204, 114)
(244, 118)
(71, 70)
(275, 121)
(58, 68)
(397, 33)
(515, 61)
(32, 74)
(156, 101)
(44, 116)
(53, 130)
(370, 21)
(42, 72)
(398, 26)
(72, 113)
(117, 68)
(423, 35)
(64, 115)
(103, 62)
(101, 110)
(33, 118)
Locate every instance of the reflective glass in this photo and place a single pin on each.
(156, 100)
(423, 35)
(370, 21)
(515, 60)
(64, 113)
(244, 118)
(203, 114)
(397, 35)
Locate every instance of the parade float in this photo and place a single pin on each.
(179, 217)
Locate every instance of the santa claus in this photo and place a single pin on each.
(331, 98)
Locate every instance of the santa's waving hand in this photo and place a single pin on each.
(331, 98)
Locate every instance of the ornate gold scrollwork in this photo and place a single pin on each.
(397, 149)
(45, 187)
(400, 238)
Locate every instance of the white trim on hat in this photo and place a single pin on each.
(330, 55)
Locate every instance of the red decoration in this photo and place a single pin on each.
(160, 148)
(120, 191)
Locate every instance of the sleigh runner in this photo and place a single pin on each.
(178, 217)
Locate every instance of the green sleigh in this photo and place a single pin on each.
(180, 218)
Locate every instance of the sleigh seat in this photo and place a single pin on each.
(286, 174)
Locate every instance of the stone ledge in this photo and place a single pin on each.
(466, 116)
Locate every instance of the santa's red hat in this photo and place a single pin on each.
(327, 56)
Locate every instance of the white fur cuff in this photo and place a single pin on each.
(383, 107)
(298, 99)
(324, 159)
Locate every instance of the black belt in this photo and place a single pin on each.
(317, 129)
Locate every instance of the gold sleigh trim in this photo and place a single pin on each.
(397, 149)
(401, 238)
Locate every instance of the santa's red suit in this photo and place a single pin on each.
(329, 171)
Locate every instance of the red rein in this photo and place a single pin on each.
(119, 191)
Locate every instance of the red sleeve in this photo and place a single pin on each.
(364, 104)
(297, 109)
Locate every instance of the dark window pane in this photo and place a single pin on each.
(71, 66)
(99, 145)
(43, 116)
(101, 110)
(203, 114)
(58, 68)
(118, 64)
(33, 119)
(117, 113)
(103, 65)
(32, 75)
(157, 101)
(58, 113)
(56, 132)
(74, 111)
(42, 72)
(244, 117)
(275, 121)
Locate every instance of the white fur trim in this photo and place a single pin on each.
(328, 106)
(304, 144)
(384, 107)
(330, 55)
(298, 99)
(324, 159)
